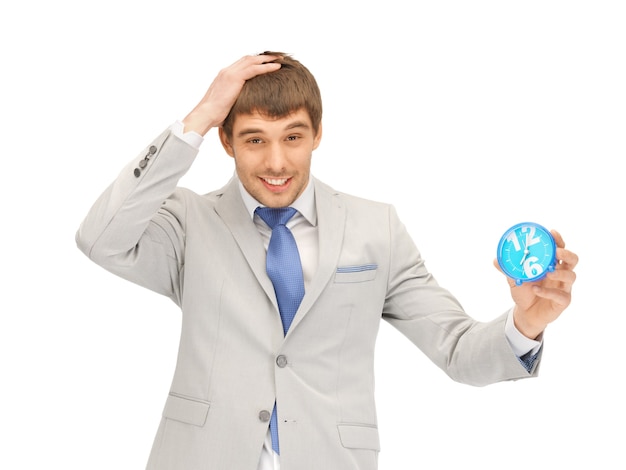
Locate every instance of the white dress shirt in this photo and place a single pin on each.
(303, 225)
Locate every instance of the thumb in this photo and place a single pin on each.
(510, 281)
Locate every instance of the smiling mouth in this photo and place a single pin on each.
(275, 181)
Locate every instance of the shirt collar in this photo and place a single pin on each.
(305, 204)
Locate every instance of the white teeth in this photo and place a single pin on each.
(275, 182)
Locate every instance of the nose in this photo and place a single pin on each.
(276, 158)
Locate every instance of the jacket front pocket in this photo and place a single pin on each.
(186, 410)
(359, 436)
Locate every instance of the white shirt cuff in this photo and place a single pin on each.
(192, 138)
(519, 343)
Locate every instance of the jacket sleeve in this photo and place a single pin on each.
(130, 231)
(469, 351)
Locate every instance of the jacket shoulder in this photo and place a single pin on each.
(351, 201)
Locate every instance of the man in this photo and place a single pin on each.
(256, 387)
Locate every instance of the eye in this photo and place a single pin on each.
(255, 140)
(293, 137)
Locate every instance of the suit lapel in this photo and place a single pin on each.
(331, 220)
(232, 211)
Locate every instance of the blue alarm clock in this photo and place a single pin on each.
(527, 252)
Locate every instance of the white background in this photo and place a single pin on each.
(469, 116)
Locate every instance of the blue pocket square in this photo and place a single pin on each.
(356, 273)
(357, 269)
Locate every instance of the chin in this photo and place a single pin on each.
(278, 202)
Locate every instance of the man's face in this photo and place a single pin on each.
(273, 155)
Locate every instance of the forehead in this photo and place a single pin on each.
(259, 122)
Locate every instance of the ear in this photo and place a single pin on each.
(318, 137)
(226, 142)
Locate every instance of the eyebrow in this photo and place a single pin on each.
(291, 125)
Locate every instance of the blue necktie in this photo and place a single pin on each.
(285, 270)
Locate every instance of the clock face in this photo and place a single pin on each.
(527, 252)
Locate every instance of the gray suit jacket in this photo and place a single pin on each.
(205, 253)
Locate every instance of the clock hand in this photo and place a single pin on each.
(526, 250)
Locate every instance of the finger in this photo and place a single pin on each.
(564, 277)
(497, 265)
(252, 65)
(261, 59)
(558, 239)
(259, 68)
(271, 56)
(510, 281)
(567, 258)
(257, 59)
(559, 297)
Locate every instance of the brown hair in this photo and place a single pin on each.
(278, 94)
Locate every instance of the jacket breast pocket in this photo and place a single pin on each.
(359, 436)
(356, 273)
(186, 410)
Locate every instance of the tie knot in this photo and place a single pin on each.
(275, 216)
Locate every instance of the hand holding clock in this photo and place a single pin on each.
(542, 288)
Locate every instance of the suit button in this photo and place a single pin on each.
(281, 361)
(264, 416)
